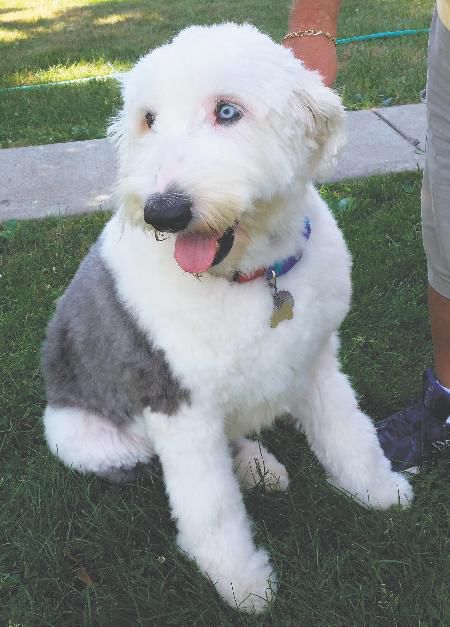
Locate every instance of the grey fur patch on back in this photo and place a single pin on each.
(96, 358)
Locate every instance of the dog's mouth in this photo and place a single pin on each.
(197, 252)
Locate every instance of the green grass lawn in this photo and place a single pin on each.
(77, 551)
(48, 40)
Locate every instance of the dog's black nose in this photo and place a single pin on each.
(170, 211)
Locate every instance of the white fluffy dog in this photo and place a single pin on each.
(182, 345)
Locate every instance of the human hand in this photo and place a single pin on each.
(317, 53)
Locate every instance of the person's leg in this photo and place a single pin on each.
(439, 309)
(436, 197)
(410, 436)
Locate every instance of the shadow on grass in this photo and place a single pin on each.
(80, 19)
(82, 29)
(111, 31)
(117, 31)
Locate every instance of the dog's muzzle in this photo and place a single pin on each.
(195, 252)
(168, 212)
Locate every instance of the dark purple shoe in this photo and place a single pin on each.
(409, 437)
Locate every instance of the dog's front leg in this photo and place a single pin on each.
(344, 438)
(213, 527)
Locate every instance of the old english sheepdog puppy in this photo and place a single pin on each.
(210, 303)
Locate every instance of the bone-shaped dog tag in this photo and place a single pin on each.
(283, 307)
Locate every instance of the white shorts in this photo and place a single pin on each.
(436, 177)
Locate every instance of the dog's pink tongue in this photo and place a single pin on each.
(195, 252)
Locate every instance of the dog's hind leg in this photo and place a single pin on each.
(213, 527)
(89, 443)
(255, 465)
(344, 439)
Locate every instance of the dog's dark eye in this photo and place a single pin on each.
(150, 118)
(227, 113)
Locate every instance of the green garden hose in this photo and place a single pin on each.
(385, 35)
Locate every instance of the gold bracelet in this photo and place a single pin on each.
(310, 32)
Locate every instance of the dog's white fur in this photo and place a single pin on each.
(216, 334)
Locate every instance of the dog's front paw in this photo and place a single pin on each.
(249, 588)
(383, 491)
(394, 489)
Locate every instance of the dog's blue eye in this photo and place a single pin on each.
(227, 113)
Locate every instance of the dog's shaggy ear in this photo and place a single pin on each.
(322, 114)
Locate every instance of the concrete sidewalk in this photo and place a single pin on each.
(77, 177)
